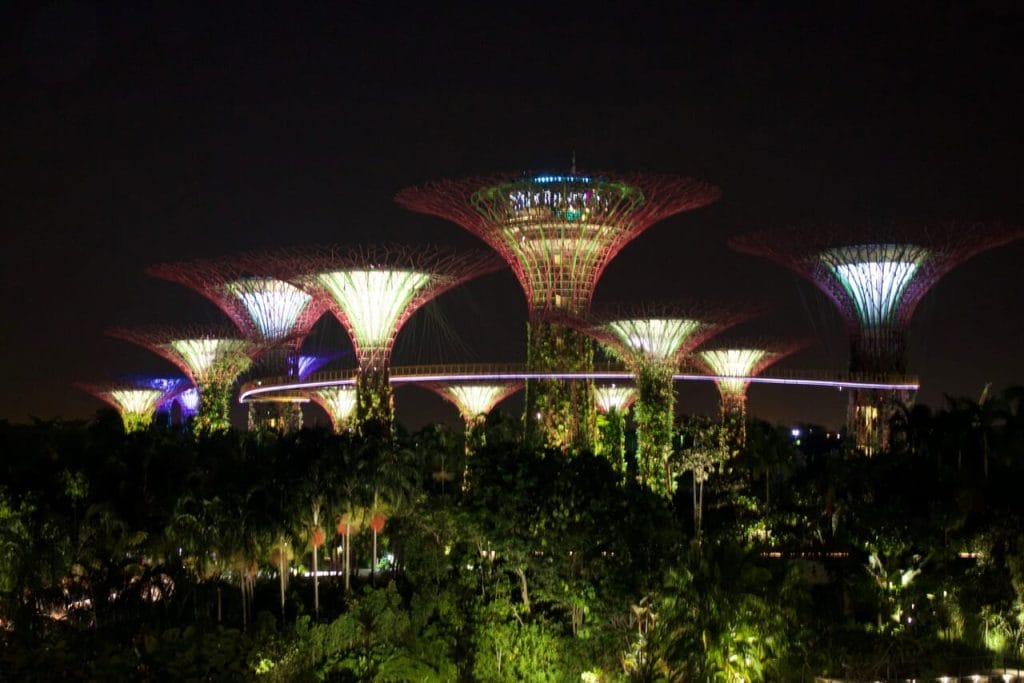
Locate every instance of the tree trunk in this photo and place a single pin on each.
(316, 584)
(281, 569)
(241, 586)
(347, 551)
(524, 592)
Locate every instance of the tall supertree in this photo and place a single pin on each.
(273, 313)
(212, 358)
(651, 341)
(558, 232)
(338, 402)
(373, 290)
(876, 276)
(731, 363)
(613, 402)
(475, 400)
(135, 400)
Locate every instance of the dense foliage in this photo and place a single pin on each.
(160, 555)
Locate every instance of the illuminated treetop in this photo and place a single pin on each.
(373, 290)
(611, 397)
(876, 275)
(746, 358)
(338, 402)
(206, 355)
(559, 232)
(646, 336)
(135, 404)
(475, 400)
(263, 307)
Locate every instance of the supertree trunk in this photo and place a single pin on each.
(214, 407)
(375, 408)
(734, 420)
(612, 439)
(655, 412)
(560, 413)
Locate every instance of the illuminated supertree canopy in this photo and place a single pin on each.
(558, 232)
(474, 401)
(876, 275)
(613, 398)
(651, 340)
(730, 363)
(373, 290)
(136, 404)
(338, 402)
(263, 307)
(212, 358)
(613, 402)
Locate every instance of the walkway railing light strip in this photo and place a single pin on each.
(418, 374)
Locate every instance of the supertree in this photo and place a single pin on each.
(613, 402)
(338, 402)
(212, 358)
(731, 363)
(135, 400)
(876, 276)
(474, 401)
(271, 312)
(373, 290)
(651, 340)
(558, 232)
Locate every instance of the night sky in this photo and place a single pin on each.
(137, 133)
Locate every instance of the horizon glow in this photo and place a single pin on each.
(374, 302)
(876, 277)
(274, 306)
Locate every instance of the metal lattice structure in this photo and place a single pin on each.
(876, 276)
(651, 340)
(372, 291)
(135, 402)
(558, 232)
(732, 363)
(264, 308)
(338, 402)
(212, 358)
(613, 402)
(475, 400)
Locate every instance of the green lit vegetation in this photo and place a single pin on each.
(560, 414)
(163, 554)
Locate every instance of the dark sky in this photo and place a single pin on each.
(136, 133)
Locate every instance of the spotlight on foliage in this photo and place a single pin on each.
(558, 232)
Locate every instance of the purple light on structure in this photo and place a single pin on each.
(307, 365)
(507, 376)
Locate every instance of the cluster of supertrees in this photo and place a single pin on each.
(557, 232)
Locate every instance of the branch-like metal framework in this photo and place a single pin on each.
(876, 275)
(558, 232)
(264, 308)
(136, 404)
(651, 340)
(733, 364)
(372, 291)
(212, 358)
(614, 398)
(474, 400)
(338, 402)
